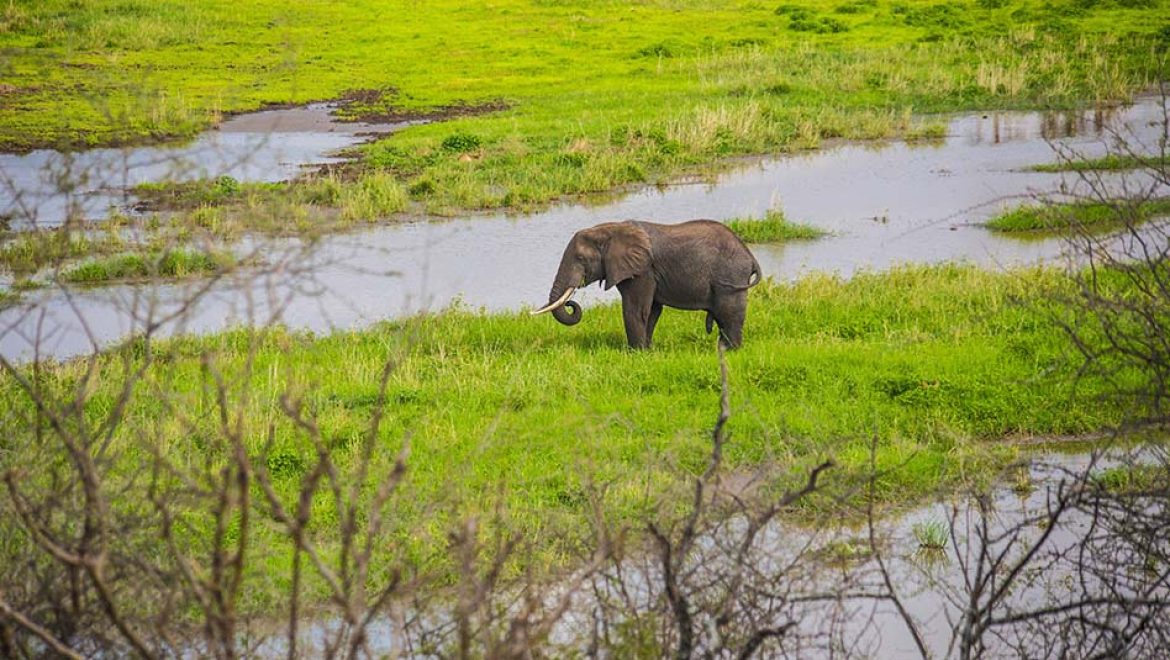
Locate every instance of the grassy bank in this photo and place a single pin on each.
(772, 228)
(938, 364)
(587, 96)
(1110, 163)
(1090, 216)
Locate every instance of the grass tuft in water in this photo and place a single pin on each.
(932, 534)
(772, 228)
(173, 195)
(27, 252)
(1130, 479)
(1112, 162)
(1073, 215)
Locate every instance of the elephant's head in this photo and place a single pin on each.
(613, 251)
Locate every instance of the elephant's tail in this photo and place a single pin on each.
(757, 272)
(710, 322)
(754, 278)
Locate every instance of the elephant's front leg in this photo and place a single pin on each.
(637, 299)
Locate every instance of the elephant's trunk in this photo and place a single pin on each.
(558, 304)
(568, 314)
(569, 276)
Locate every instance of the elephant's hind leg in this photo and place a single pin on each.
(730, 312)
(655, 312)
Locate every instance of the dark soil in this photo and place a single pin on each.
(374, 106)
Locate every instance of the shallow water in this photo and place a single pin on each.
(885, 203)
(44, 187)
(798, 564)
(932, 585)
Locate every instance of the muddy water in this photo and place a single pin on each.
(884, 204)
(42, 188)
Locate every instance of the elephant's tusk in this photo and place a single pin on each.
(553, 305)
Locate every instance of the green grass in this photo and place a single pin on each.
(169, 264)
(772, 228)
(1093, 216)
(1112, 162)
(171, 195)
(599, 94)
(935, 364)
(25, 253)
(1128, 479)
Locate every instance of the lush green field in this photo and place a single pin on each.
(940, 365)
(598, 94)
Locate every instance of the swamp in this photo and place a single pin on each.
(275, 379)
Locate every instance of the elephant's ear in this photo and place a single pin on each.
(627, 254)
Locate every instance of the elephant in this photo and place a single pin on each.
(695, 265)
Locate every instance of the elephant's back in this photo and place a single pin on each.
(696, 259)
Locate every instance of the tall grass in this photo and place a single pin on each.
(374, 196)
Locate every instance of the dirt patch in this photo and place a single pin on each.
(367, 96)
(439, 113)
(376, 106)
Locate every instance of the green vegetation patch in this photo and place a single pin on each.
(1112, 162)
(169, 264)
(772, 228)
(25, 253)
(169, 195)
(1093, 216)
(932, 534)
(1130, 479)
